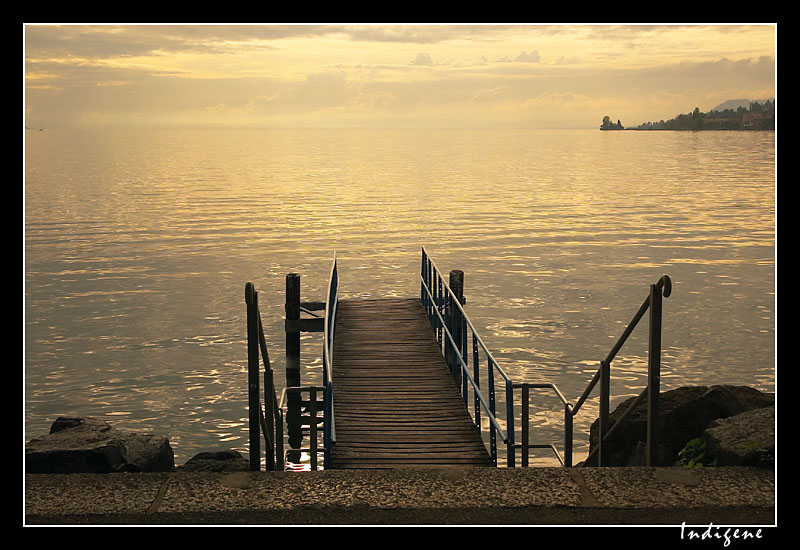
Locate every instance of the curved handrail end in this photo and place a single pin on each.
(666, 282)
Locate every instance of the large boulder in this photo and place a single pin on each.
(90, 445)
(745, 439)
(684, 413)
(216, 461)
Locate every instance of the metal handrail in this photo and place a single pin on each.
(460, 358)
(426, 256)
(525, 445)
(603, 374)
(438, 297)
(269, 420)
(331, 307)
(663, 287)
(312, 449)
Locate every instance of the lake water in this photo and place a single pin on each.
(139, 243)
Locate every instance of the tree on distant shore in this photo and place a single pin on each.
(608, 125)
(720, 120)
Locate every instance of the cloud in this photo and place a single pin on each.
(426, 34)
(493, 95)
(114, 41)
(422, 60)
(525, 57)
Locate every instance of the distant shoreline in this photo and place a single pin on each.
(688, 129)
(698, 129)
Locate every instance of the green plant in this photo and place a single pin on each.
(694, 455)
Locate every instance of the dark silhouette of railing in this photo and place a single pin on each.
(653, 302)
(268, 420)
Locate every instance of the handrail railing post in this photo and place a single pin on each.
(270, 405)
(312, 426)
(653, 375)
(279, 454)
(492, 404)
(510, 423)
(254, 406)
(605, 393)
(526, 392)
(476, 373)
(269, 410)
(423, 275)
(567, 436)
(466, 355)
(438, 305)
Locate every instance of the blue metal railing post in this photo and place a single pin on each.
(476, 373)
(510, 423)
(438, 298)
(525, 424)
(492, 408)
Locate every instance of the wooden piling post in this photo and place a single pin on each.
(456, 321)
(293, 359)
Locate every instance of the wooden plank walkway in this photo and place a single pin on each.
(396, 404)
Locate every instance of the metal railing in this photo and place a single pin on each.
(603, 377)
(311, 419)
(331, 307)
(452, 326)
(653, 302)
(268, 420)
(447, 316)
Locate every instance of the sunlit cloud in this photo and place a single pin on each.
(525, 57)
(422, 60)
(477, 74)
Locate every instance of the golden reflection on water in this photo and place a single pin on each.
(138, 245)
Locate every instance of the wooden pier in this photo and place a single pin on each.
(396, 403)
(400, 376)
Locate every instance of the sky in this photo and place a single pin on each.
(381, 75)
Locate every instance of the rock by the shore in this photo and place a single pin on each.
(90, 445)
(745, 439)
(216, 461)
(684, 415)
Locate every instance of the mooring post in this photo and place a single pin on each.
(293, 359)
(653, 375)
(456, 321)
